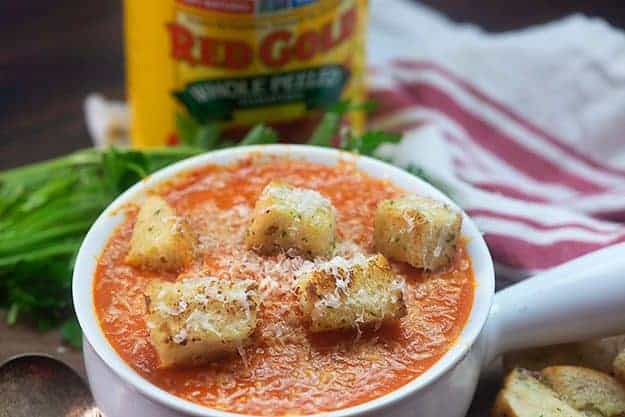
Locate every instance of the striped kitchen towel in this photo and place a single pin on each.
(538, 201)
(524, 130)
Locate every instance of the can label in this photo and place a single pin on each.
(241, 62)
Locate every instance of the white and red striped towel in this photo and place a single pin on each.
(524, 130)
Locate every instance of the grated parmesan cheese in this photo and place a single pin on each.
(418, 230)
(302, 200)
(161, 240)
(194, 320)
(295, 220)
(344, 293)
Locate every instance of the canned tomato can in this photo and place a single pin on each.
(236, 63)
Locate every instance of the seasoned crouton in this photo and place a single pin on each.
(349, 293)
(591, 392)
(417, 230)
(596, 354)
(160, 240)
(525, 396)
(619, 366)
(286, 217)
(196, 320)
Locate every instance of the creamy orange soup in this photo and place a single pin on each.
(285, 369)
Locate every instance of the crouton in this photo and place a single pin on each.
(596, 354)
(161, 240)
(417, 230)
(350, 293)
(525, 396)
(196, 320)
(286, 218)
(591, 392)
(619, 366)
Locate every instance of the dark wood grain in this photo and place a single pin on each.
(52, 54)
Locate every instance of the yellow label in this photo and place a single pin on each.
(241, 62)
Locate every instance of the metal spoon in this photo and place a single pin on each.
(39, 385)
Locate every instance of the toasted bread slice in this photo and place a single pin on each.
(619, 366)
(196, 320)
(525, 396)
(290, 218)
(418, 230)
(592, 392)
(161, 240)
(596, 354)
(349, 293)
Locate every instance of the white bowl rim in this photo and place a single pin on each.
(99, 233)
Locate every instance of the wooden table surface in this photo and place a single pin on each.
(53, 54)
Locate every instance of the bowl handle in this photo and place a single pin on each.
(581, 299)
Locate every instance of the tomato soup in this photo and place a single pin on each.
(285, 369)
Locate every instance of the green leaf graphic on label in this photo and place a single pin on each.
(211, 100)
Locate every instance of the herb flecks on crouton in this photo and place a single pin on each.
(350, 293)
(289, 218)
(196, 320)
(418, 230)
(161, 240)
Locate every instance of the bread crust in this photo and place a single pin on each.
(349, 294)
(418, 230)
(289, 218)
(197, 320)
(161, 240)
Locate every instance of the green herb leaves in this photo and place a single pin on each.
(70, 331)
(260, 135)
(328, 127)
(45, 211)
(192, 133)
(367, 143)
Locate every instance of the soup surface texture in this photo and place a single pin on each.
(286, 369)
